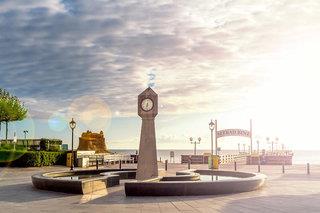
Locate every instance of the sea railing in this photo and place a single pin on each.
(114, 158)
(228, 159)
(103, 159)
(223, 159)
(280, 153)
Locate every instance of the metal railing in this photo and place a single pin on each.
(229, 159)
(108, 159)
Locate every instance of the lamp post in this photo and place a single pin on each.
(211, 127)
(195, 144)
(259, 161)
(25, 136)
(72, 125)
(273, 142)
(15, 139)
(277, 140)
(214, 126)
(268, 139)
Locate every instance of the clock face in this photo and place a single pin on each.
(147, 104)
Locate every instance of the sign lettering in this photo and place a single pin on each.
(233, 132)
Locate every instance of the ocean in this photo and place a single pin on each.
(299, 157)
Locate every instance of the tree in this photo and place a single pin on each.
(4, 96)
(11, 109)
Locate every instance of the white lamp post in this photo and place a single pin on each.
(195, 144)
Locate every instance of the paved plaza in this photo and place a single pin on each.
(294, 191)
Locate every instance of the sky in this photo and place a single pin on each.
(227, 60)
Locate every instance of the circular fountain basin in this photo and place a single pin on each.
(81, 181)
(199, 182)
(189, 182)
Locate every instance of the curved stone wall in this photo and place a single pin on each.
(104, 178)
(248, 182)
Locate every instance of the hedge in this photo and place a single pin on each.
(31, 158)
(50, 144)
(44, 144)
(11, 146)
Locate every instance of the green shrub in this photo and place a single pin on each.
(54, 148)
(33, 147)
(43, 144)
(47, 144)
(21, 147)
(6, 146)
(11, 146)
(31, 158)
(10, 156)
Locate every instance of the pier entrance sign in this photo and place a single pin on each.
(233, 132)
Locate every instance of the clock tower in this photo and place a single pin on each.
(147, 110)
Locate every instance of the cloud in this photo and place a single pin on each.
(204, 52)
(53, 6)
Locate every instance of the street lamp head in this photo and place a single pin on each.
(72, 124)
(211, 125)
(199, 139)
(191, 139)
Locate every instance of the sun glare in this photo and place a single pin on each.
(290, 92)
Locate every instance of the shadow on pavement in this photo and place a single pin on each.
(296, 177)
(25, 192)
(278, 203)
(118, 197)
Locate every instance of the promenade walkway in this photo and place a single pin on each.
(294, 191)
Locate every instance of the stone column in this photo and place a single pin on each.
(147, 161)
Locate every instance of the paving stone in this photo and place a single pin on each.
(294, 191)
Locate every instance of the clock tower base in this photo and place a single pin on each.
(147, 161)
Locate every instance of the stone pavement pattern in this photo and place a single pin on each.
(294, 191)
